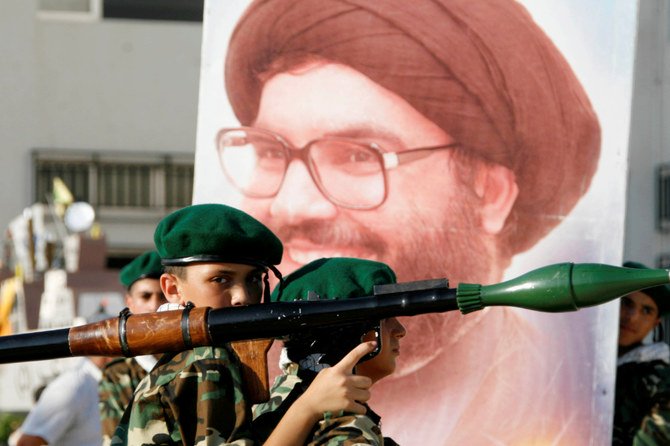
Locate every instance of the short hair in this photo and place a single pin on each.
(177, 270)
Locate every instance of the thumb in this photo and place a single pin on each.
(355, 355)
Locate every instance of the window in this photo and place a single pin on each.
(117, 181)
(664, 197)
(70, 10)
(181, 10)
(94, 10)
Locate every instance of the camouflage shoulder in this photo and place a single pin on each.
(173, 366)
(113, 362)
(655, 429)
(207, 383)
(115, 392)
(347, 430)
(280, 390)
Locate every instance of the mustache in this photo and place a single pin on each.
(338, 233)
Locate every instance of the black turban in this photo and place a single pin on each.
(482, 70)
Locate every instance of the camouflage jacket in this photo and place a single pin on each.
(346, 430)
(642, 399)
(189, 398)
(119, 380)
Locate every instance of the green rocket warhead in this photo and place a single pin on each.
(561, 287)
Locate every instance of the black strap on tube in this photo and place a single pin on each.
(123, 334)
(185, 333)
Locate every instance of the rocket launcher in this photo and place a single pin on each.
(555, 288)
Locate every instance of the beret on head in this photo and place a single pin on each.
(335, 278)
(215, 233)
(660, 294)
(483, 71)
(146, 265)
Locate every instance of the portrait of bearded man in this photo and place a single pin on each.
(442, 137)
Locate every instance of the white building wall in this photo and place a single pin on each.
(650, 134)
(131, 85)
(121, 85)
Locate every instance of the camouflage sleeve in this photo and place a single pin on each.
(119, 380)
(348, 430)
(281, 388)
(655, 426)
(283, 394)
(655, 429)
(193, 398)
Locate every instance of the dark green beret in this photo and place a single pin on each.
(335, 278)
(660, 294)
(146, 265)
(215, 233)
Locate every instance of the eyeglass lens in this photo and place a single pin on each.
(347, 172)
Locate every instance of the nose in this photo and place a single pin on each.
(627, 310)
(398, 330)
(299, 198)
(241, 296)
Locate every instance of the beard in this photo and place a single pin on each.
(428, 248)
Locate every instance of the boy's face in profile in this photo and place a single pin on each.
(215, 285)
(384, 363)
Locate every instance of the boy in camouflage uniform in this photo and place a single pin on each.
(642, 399)
(217, 256)
(306, 354)
(120, 377)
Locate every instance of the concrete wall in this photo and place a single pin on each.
(132, 86)
(126, 85)
(650, 134)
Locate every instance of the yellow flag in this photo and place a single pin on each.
(62, 194)
(62, 197)
(7, 298)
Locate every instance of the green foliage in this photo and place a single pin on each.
(9, 422)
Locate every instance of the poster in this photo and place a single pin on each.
(523, 110)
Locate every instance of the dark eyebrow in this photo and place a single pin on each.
(226, 270)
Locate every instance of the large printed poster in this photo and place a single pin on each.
(473, 140)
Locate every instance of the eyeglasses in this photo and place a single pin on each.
(350, 174)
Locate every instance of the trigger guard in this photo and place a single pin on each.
(378, 337)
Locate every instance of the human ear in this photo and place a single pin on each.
(496, 187)
(170, 287)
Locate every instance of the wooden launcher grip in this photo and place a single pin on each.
(169, 331)
(253, 357)
(148, 333)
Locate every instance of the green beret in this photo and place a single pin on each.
(660, 294)
(335, 278)
(215, 233)
(146, 265)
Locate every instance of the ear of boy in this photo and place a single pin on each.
(170, 284)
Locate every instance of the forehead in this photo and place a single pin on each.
(327, 98)
(145, 284)
(642, 299)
